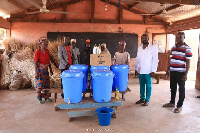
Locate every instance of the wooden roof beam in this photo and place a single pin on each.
(57, 5)
(184, 2)
(134, 4)
(52, 4)
(169, 8)
(133, 10)
(17, 5)
(92, 10)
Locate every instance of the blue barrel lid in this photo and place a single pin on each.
(99, 67)
(71, 73)
(79, 67)
(119, 67)
(102, 73)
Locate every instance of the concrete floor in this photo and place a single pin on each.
(20, 112)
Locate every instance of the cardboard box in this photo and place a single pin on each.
(100, 59)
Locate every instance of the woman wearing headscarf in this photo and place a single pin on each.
(104, 50)
(42, 63)
(122, 57)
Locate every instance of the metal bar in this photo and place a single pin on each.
(88, 105)
(84, 113)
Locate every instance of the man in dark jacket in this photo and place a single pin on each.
(85, 54)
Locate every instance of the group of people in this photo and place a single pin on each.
(179, 64)
(146, 65)
(68, 55)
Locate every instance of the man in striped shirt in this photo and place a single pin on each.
(179, 65)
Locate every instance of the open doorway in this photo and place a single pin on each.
(3, 35)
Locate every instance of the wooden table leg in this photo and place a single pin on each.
(113, 115)
(158, 79)
(55, 97)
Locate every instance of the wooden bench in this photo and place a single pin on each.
(87, 107)
(131, 74)
(58, 90)
(158, 74)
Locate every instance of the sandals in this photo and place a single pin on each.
(140, 101)
(41, 101)
(169, 105)
(48, 100)
(197, 96)
(177, 110)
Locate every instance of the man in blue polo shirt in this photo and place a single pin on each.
(179, 65)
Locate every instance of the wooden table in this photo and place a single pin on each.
(87, 107)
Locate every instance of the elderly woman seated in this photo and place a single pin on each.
(104, 50)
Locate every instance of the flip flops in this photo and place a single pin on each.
(41, 101)
(48, 100)
(169, 105)
(197, 96)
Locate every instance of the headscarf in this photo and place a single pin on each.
(103, 44)
(123, 43)
(42, 40)
(105, 50)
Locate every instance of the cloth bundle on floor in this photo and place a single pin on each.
(16, 81)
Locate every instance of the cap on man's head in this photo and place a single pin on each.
(73, 40)
(87, 41)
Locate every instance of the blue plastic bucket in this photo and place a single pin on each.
(104, 115)
(120, 79)
(102, 81)
(72, 81)
(84, 69)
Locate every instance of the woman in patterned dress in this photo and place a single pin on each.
(42, 63)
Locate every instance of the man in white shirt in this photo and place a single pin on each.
(146, 65)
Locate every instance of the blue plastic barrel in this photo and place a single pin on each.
(72, 81)
(102, 85)
(92, 68)
(120, 79)
(104, 115)
(84, 69)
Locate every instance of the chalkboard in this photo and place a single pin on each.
(111, 40)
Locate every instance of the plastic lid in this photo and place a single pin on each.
(99, 67)
(119, 66)
(78, 67)
(102, 73)
(71, 73)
